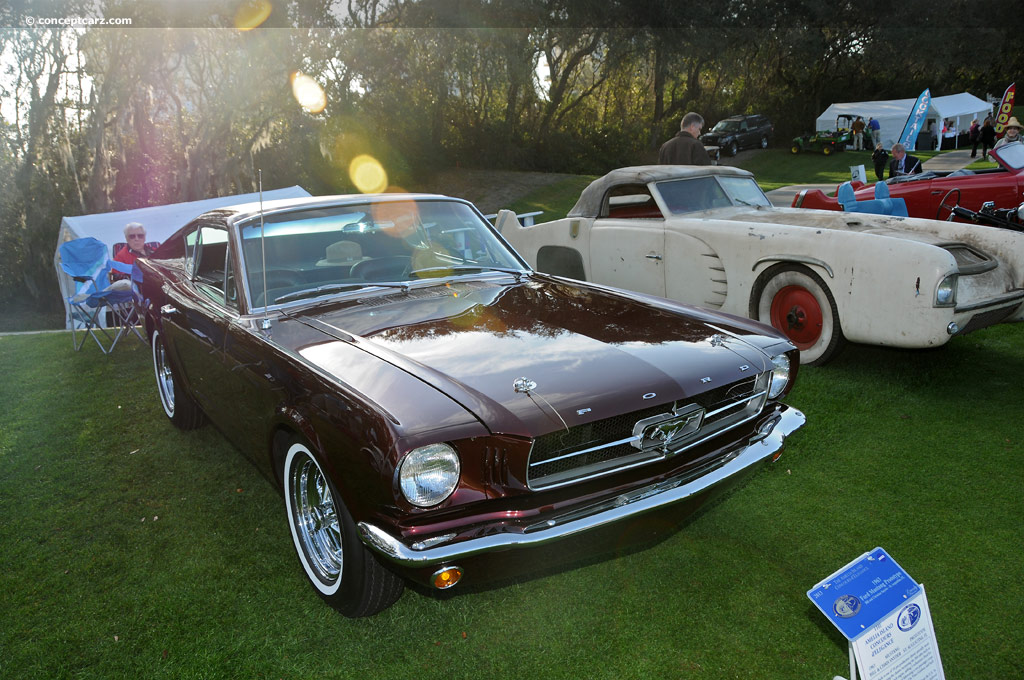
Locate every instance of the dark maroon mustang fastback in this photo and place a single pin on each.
(436, 411)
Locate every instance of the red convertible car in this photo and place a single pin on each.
(431, 408)
(933, 195)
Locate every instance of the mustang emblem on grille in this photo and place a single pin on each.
(667, 430)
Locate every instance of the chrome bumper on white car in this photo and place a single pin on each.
(768, 442)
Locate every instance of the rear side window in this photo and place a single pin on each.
(630, 201)
(208, 260)
(171, 249)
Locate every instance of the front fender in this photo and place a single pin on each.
(883, 287)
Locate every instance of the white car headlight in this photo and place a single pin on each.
(945, 293)
(429, 474)
(780, 375)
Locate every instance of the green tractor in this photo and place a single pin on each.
(827, 141)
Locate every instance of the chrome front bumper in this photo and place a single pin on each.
(622, 507)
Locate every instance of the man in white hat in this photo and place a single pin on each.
(1011, 133)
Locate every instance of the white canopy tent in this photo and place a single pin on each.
(892, 114)
(160, 222)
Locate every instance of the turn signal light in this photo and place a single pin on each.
(447, 577)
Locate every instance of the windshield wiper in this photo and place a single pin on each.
(465, 269)
(336, 288)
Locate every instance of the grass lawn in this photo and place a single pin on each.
(22, 315)
(775, 168)
(130, 549)
(982, 164)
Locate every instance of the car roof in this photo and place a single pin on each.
(244, 211)
(592, 198)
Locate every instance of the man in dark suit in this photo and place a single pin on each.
(902, 164)
(685, 148)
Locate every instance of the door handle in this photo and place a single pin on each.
(167, 310)
(652, 256)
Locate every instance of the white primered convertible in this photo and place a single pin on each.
(709, 236)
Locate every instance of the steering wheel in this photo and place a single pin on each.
(945, 204)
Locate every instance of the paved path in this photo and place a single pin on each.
(944, 162)
(950, 161)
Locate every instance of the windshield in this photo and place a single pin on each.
(314, 252)
(1011, 155)
(744, 191)
(707, 193)
(726, 126)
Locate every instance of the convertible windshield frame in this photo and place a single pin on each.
(681, 196)
(1010, 155)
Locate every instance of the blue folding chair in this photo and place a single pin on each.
(85, 261)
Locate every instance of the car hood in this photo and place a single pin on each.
(908, 229)
(583, 353)
(713, 137)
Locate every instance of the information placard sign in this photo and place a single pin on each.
(863, 592)
(902, 645)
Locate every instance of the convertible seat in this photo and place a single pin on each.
(878, 206)
(896, 206)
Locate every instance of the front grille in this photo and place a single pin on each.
(986, 319)
(611, 445)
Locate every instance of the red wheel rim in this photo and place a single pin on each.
(796, 312)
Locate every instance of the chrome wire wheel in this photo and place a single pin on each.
(313, 516)
(343, 571)
(164, 376)
(184, 413)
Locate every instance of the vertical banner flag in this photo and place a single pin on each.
(1005, 108)
(915, 119)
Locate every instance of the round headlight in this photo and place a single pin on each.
(945, 294)
(429, 474)
(780, 375)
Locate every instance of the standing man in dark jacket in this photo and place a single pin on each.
(685, 148)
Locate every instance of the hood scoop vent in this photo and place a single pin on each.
(969, 260)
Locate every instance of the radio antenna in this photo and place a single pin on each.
(265, 325)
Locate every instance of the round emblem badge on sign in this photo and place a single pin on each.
(909, 617)
(846, 606)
